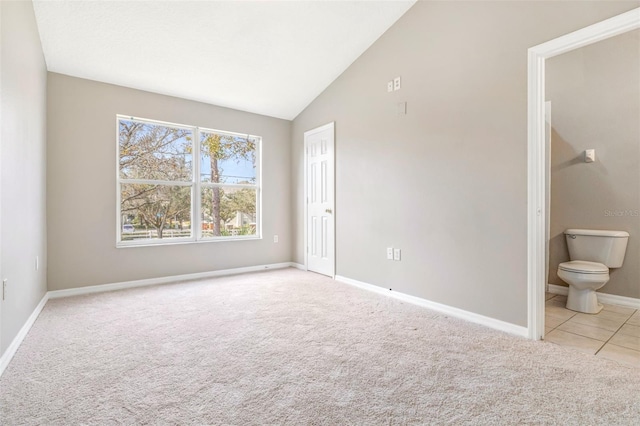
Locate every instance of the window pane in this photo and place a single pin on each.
(155, 212)
(227, 158)
(228, 212)
(153, 151)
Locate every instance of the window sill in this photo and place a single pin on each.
(183, 242)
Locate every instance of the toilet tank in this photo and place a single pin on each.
(607, 247)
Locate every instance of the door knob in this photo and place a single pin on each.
(327, 211)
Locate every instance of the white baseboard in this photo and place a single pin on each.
(557, 289)
(7, 356)
(54, 294)
(5, 359)
(298, 266)
(449, 310)
(610, 299)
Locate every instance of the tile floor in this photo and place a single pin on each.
(614, 333)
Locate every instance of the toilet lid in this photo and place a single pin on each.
(583, 267)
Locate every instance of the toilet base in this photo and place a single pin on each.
(585, 301)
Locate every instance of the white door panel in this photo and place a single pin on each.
(320, 187)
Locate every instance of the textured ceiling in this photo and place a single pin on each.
(267, 57)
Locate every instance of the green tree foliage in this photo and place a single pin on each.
(241, 201)
(232, 202)
(154, 205)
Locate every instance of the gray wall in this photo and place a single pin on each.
(81, 188)
(595, 96)
(446, 183)
(23, 198)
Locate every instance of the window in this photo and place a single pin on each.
(181, 183)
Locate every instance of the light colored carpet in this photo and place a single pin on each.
(290, 347)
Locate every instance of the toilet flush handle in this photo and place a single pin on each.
(572, 236)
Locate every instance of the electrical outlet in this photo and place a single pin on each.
(390, 86)
(396, 83)
(389, 253)
(275, 238)
(37, 263)
(396, 254)
(4, 288)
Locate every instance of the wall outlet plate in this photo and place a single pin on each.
(390, 86)
(389, 253)
(396, 83)
(396, 254)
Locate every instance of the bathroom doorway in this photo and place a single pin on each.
(595, 92)
(538, 175)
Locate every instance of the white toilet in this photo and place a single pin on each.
(592, 253)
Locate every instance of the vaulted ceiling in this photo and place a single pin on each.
(266, 57)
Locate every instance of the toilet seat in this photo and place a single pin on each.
(584, 267)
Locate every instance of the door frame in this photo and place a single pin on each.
(537, 155)
(308, 133)
(1, 271)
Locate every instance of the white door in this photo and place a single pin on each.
(319, 194)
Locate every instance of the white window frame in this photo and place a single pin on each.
(196, 185)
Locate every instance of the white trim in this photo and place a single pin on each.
(558, 289)
(230, 185)
(154, 122)
(536, 233)
(599, 31)
(179, 241)
(55, 294)
(196, 190)
(298, 266)
(305, 202)
(6, 358)
(610, 299)
(2, 127)
(118, 186)
(155, 182)
(449, 310)
(228, 133)
(614, 299)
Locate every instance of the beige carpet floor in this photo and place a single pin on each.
(290, 347)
